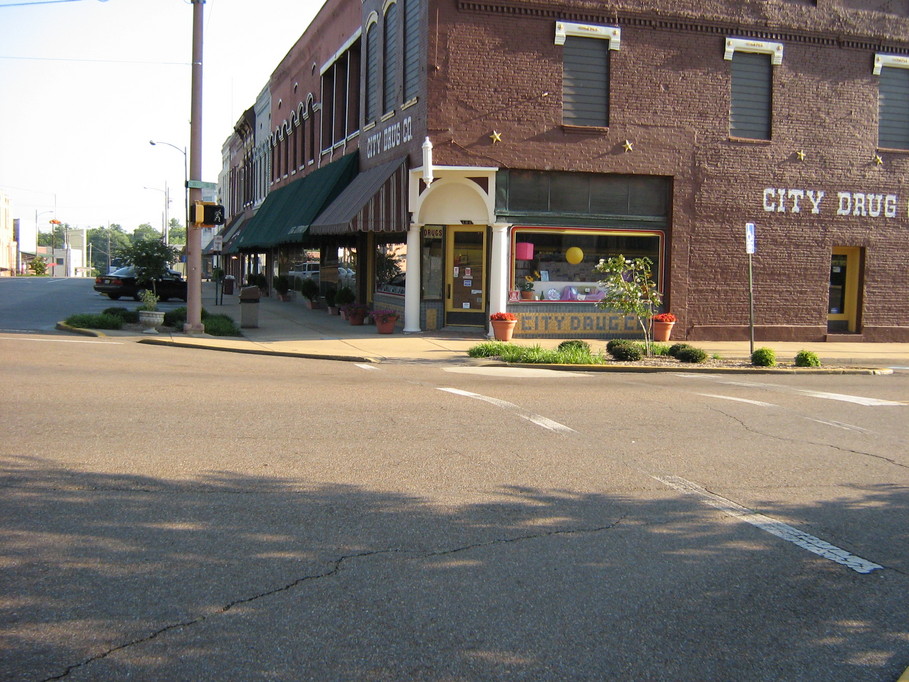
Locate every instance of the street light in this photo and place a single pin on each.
(154, 143)
(166, 192)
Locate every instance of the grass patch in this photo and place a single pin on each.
(570, 354)
(90, 321)
(221, 325)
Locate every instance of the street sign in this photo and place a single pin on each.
(198, 184)
(217, 243)
(750, 238)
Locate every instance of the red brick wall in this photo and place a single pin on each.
(492, 70)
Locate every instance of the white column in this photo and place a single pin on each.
(412, 282)
(498, 270)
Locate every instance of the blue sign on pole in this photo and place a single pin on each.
(750, 238)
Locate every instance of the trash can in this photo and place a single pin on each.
(249, 307)
(227, 286)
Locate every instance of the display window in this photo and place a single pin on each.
(559, 264)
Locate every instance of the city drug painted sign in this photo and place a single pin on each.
(394, 135)
(815, 201)
(577, 324)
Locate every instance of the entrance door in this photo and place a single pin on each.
(845, 289)
(465, 279)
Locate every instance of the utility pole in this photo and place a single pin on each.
(194, 234)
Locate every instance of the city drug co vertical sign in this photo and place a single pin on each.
(841, 203)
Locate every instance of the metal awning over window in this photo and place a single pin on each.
(287, 212)
(376, 201)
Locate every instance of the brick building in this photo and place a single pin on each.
(512, 143)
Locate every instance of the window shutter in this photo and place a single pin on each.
(390, 71)
(585, 82)
(372, 73)
(751, 100)
(893, 103)
(411, 48)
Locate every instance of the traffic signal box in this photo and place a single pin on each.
(207, 213)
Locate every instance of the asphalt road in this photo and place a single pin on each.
(184, 514)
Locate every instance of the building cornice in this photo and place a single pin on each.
(626, 18)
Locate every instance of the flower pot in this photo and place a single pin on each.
(528, 295)
(150, 320)
(356, 319)
(503, 329)
(332, 309)
(662, 330)
(386, 327)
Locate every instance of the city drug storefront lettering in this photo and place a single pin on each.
(864, 204)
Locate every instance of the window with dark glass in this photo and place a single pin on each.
(751, 96)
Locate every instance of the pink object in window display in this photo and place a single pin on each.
(523, 251)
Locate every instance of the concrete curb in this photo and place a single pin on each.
(63, 327)
(696, 368)
(261, 351)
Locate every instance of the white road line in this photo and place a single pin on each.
(839, 425)
(772, 526)
(759, 403)
(365, 366)
(537, 419)
(855, 399)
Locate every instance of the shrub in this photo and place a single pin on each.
(661, 349)
(177, 316)
(627, 351)
(690, 354)
(128, 316)
(89, 321)
(676, 347)
(574, 344)
(805, 358)
(612, 343)
(221, 325)
(308, 288)
(763, 357)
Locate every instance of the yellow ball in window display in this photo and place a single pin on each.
(574, 255)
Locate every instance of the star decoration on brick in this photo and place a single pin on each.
(628, 146)
(496, 136)
(800, 154)
(878, 160)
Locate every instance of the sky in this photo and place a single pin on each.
(85, 84)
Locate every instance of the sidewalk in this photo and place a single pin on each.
(290, 328)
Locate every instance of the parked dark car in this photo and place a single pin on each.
(122, 282)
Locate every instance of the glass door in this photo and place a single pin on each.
(845, 289)
(465, 278)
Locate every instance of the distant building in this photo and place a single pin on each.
(565, 132)
(9, 251)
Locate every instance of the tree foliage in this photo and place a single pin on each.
(150, 258)
(105, 243)
(629, 287)
(145, 232)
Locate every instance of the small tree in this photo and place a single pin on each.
(629, 287)
(150, 258)
(38, 266)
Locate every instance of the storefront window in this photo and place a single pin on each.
(390, 265)
(559, 264)
(431, 265)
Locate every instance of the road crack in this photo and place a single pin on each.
(335, 567)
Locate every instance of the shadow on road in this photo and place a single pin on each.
(228, 576)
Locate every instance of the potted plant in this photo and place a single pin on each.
(385, 320)
(662, 326)
(503, 325)
(149, 316)
(310, 291)
(356, 313)
(344, 298)
(331, 304)
(282, 286)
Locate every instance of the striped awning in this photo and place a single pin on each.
(376, 201)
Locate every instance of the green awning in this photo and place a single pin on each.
(287, 212)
